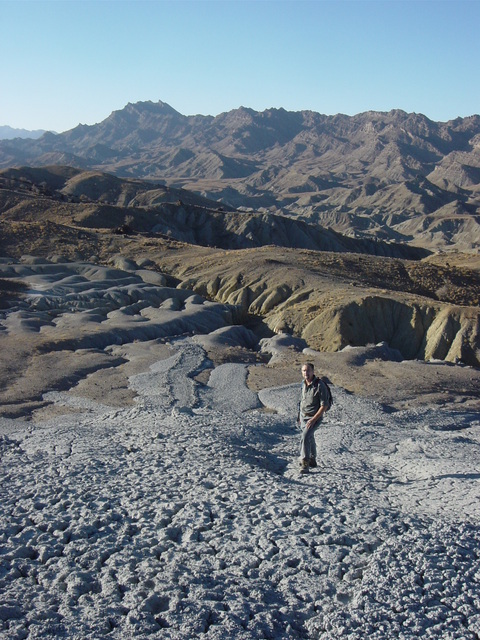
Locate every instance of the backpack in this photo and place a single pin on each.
(329, 395)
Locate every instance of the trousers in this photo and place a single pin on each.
(308, 446)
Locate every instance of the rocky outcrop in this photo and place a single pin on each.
(330, 315)
(417, 329)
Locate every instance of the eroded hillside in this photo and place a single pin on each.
(334, 301)
(333, 296)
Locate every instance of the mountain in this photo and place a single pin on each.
(9, 133)
(395, 176)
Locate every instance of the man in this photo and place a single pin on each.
(312, 406)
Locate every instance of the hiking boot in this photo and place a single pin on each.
(304, 466)
(313, 463)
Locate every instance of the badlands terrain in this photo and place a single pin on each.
(151, 340)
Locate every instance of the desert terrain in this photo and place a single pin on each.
(393, 175)
(151, 340)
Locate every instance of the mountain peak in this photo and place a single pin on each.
(149, 106)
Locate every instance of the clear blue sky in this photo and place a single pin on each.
(67, 62)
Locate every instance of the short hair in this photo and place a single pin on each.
(309, 364)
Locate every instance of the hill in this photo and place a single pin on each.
(394, 175)
(98, 200)
(280, 274)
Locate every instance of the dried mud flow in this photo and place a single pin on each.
(184, 516)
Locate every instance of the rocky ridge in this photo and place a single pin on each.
(395, 175)
(98, 200)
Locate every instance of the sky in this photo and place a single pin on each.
(67, 62)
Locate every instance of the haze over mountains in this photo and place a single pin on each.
(9, 133)
(394, 176)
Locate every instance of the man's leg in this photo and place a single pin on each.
(313, 448)
(308, 447)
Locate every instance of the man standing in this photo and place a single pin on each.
(312, 406)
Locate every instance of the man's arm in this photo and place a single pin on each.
(314, 419)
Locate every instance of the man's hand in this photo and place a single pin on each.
(314, 419)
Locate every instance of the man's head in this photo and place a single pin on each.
(308, 371)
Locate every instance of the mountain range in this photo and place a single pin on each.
(9, 133)
(394, 176)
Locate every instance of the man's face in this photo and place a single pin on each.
(307, 373)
